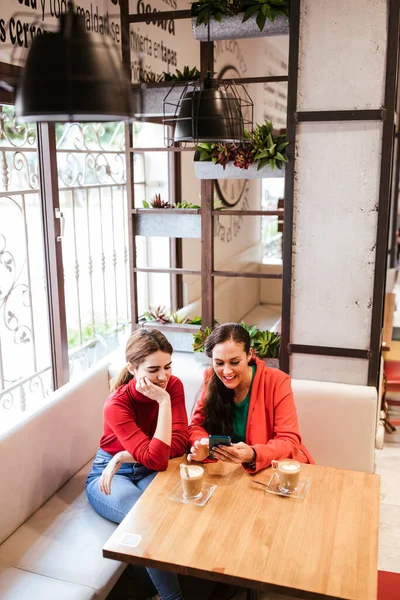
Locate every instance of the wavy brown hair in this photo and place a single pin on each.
(141, 344)
(219, 400)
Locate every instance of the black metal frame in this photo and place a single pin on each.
(294, 32)
(392, 55)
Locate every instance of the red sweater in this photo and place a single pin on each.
(130, 420)
(272, 427)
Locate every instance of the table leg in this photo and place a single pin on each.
(252, 594)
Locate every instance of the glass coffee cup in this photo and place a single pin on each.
(192, 480)
(288, 471)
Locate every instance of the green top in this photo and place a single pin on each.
(240, 414)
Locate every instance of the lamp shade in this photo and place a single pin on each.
(208, 110)
(73, 75)
(209, 115)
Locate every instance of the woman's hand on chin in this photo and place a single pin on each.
(236, 453)
(199, 451)
(152, 391)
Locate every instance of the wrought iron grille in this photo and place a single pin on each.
(92, 182)
(25, 362)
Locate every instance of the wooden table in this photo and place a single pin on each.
(324, 546)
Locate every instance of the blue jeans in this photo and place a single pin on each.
(127, 486)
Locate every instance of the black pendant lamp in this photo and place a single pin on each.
(211, 111)
(73, 75)
(208, 110)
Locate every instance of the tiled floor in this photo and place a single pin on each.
(387, 463)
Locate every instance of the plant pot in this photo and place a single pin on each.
(232, 28)
(273, 363)
(209, 170)
(179, 336)
(150, 99)
(168, 222)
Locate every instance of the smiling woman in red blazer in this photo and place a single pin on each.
(243, 398)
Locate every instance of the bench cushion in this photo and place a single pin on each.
(63, 540)
(337, 422)
(49, 447)
(21, 585)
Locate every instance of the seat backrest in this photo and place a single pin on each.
(338, 423)
(42, 452)
(336, 420)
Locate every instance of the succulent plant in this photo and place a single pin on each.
(159, 315)
(262, 146)
(222, 153)
(199, 338)
(185, 204)
(267, 344)
(150, 77)
(177, 317)
(187, 74)
(243, 157)
(267, 147)
(156, 202)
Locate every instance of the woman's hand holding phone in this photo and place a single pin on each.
(199, 451)
(236, 453)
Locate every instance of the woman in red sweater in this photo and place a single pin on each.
(243, 398)
(145, 424)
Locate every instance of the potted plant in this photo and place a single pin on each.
(266, 344)
(262, 155)
(153, 89)
(233, 19)
(176, 326)
(159, 218)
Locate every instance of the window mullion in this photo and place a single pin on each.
(53, 251)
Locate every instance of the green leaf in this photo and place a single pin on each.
(260, 20)
(282, 146)
(146, 204)
(250, 12)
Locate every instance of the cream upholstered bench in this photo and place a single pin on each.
(337, 421)
(51, 537)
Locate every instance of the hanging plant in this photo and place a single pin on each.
(262, 9)
(262, 148)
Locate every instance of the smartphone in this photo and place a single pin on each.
(218, 440)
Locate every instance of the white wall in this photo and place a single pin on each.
(341, 66)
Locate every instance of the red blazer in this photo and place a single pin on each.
(272, 426)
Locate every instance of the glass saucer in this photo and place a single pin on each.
(272, 487)
(206, 493)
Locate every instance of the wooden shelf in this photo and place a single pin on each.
(249, 213)
(166, 211)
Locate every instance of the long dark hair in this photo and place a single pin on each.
(141, 343)
(219, 400)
